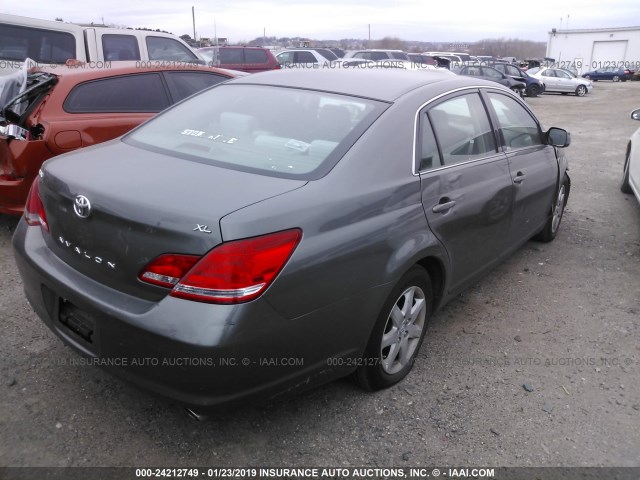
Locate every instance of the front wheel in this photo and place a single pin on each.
(581, 91)
(398, 332)
(624, 186)
(550, 230)
(534, 91)
(588, 77)
(616, 78)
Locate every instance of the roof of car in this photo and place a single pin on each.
(88, 71)
(380, 84)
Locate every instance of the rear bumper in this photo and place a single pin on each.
(197, 354)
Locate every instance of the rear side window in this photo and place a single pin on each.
(399, 56)
(120, 47)
(255, 56)
(491, 73)
(162, 48)
(231, 56)
(185, 84)
(129, 93)
(328, 54)
(429, 157)
(462, 129)
(519, 129)
(44, 46)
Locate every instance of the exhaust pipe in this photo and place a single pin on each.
(196, 416)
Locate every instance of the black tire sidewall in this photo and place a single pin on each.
(371, 375)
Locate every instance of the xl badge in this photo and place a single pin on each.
(82, 206)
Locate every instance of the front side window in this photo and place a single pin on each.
(328, 54)
(519, 129)
(163, 48)
(274, 131)
(462, 129)
(128, 93)
(120, 47)
(513, 71)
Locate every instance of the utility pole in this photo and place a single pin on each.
(193, 16)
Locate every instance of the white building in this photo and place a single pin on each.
(589, 49)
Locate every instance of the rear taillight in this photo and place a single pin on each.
(277, 67)
(234, 272)
(34, 212)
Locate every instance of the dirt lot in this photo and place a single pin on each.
(562, 317)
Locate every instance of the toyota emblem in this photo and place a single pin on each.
(82, 206)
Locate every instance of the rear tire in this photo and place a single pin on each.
(616, 78)
(624, 186)
(398, 333)
(550, 230)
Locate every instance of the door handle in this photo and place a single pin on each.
(443, 207)
(519, 178)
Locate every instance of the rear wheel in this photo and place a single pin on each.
(624, 186)
(616, 78)
(550, 230)
(581, 91)
(398, 332)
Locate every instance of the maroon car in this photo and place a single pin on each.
(70, 107)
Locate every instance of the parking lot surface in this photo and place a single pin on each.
(536, 365)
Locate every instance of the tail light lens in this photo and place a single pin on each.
(234, 272)
(34, 212)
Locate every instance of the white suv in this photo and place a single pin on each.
(306, 58)
(376, 55)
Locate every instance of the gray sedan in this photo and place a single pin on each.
(282, 230)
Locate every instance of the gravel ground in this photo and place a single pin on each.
(562, 318)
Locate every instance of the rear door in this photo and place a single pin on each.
(466, 184)
(532, 164)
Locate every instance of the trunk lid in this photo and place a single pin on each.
(140, 204)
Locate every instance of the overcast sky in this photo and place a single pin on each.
(244, 20)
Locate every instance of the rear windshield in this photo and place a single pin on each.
(275, 131)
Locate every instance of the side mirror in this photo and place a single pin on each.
(558, 137)
(636, 114)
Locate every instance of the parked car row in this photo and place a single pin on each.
(615, 74)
